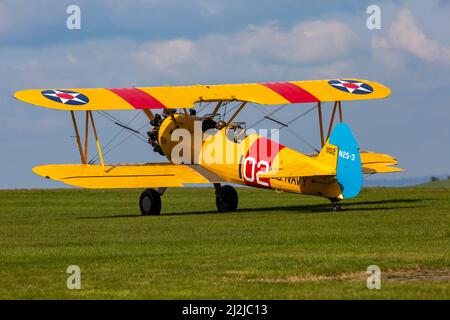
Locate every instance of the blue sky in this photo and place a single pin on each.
(155, 42)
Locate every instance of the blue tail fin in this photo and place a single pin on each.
(349, 170)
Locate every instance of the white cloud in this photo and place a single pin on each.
(211, 8)
(166, 55)
(307, 42)
(405, 35)
(391, 59)
(258, 52)
(71, 59)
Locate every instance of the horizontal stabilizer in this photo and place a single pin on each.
(380, 168)
(373, 162)
(373, 157)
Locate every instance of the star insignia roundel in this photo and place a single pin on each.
(351, 86)
(66, 97)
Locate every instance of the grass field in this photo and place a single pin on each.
(444, 183)
(277, 246)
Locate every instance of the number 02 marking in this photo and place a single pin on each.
(255, 168)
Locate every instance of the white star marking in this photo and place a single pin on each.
(63, 100)
(359, 84)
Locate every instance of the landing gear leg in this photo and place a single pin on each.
(226, 198)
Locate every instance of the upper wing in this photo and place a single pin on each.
(187, 96)
(150, 175)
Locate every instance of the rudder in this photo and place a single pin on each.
(348, 169)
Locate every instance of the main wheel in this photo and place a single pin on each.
(150, 202)
(226, 199)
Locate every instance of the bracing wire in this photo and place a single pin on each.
(302, 115)
(231, 110)
(203, 106)
(139, 135)
(123, 127)
(121, 130)
(119, 122)
(93, 160)
(224, 112)
(268, 115)
(295, 134)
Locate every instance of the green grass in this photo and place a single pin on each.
(444, 183)
(277, 246)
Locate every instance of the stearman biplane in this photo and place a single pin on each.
(334, 172)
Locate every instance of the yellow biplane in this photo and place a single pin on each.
(226, 151)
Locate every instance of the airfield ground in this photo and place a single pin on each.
(277, 246)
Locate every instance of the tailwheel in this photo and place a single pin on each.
(336, 206)
(226, 198)
(150, 202)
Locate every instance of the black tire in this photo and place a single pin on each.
(226, 199)
(150, 202)
(336, 207)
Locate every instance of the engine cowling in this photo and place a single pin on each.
(179, 121)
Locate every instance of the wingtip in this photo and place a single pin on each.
(19, 95)
(16, 94)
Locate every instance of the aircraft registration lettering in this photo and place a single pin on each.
(347, 155)
(331, 150)
(298, 181)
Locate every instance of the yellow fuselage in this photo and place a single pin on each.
(242, 161)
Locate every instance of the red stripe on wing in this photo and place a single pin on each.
(138, 98)
(291, 92)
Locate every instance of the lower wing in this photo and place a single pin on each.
(149, 175)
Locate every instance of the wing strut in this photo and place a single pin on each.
(86, 137)
(332, 119)
(336, 107)
(319, 110)
(84, 151)
(97, 141)
(77, 134)
(236, 113)
(149, 114)
(216, 109)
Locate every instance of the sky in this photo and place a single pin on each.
(174, 42)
